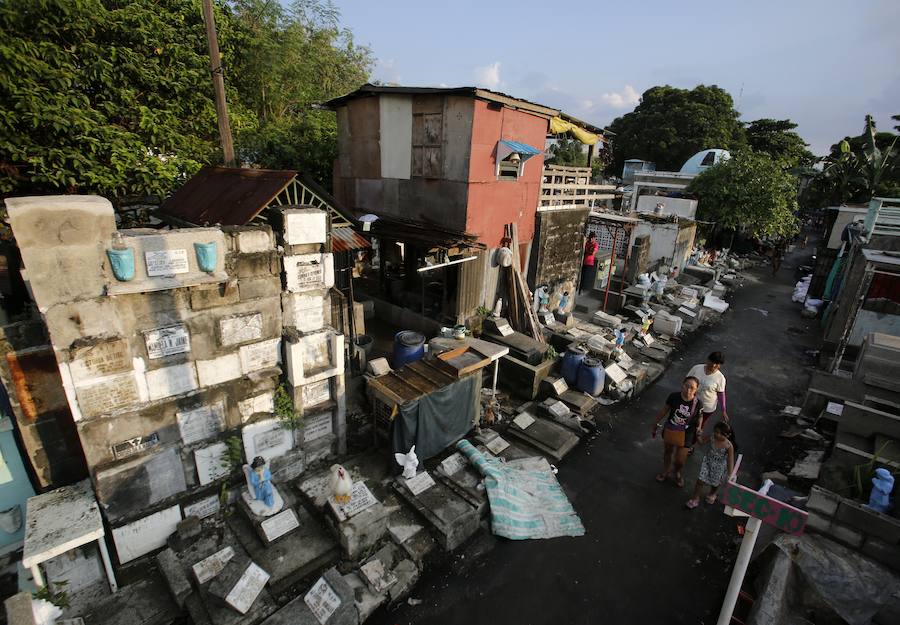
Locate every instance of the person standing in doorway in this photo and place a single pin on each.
(589, 264)
(712, 388)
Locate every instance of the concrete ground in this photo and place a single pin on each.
(645, 557)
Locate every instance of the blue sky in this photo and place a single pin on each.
(822, 64)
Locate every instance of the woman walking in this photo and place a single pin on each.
(680, 413)
(712, 388)
(588, 265)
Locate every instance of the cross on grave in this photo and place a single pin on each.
(743, 501)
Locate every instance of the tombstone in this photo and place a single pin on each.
(239, 583)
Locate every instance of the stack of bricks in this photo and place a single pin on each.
(849, 522)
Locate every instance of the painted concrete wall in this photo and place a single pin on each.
(868, 321)
(15, 487)
(682, 207)
(493, 202)
(669, 242)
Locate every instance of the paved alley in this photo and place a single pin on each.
(645, 558)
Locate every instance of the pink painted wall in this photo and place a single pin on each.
(493, 203)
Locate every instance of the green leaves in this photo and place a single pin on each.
(750, 192)
(670, 125)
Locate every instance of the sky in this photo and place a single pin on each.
(822, 64)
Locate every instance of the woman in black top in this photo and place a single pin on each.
(680, 412)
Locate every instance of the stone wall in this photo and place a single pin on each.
(877, 535)
(165, 371)
(557, 252)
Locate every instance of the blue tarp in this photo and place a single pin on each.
(526, 500)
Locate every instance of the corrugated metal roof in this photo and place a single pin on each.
(346, 239)
(522, 148)
(228, 196)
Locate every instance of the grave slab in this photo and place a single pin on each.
(239, 584)
(298, 554)
(332, 600)
(450, 516)
(464, 479)
(550, 438)
(398, 573)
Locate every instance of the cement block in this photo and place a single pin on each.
(452, 519)
(256, 265)
(63, 235)
(522, 379)
(550, 438)
(255, 241)
(870, 522)
(887, 554)
(297, 612)
(18, 609)
(846, 535)
(823, 501)
(818, 523)
(297, 555)
(207, 296)
(304, 225)
(132, 486)
(363, 531)
(400, 573)
(366, 601)
(178, 583)
(254, 288)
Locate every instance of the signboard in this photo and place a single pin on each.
(211, 566)
(452, 464)
(316, 393)
(166, 262)
(277, 526)
(247, 588)
(167, 341)
(322, 601)
(202, 508)
(420, 483)
(111, 394)
(361, 498)
(316, 427)
(136, 445)
(768, 510)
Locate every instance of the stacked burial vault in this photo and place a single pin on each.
(165, 371)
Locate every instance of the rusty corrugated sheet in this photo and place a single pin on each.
(347, 239)
(228, 196)
(470, 285)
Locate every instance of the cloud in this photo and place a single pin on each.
(628, 97)
(488, 76)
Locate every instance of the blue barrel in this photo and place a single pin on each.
(409, 346)
(571, 361)
(591, 376)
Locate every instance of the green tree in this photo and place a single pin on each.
(290, 61)
(106, 96)
(567, 152)
(670, 125)
(859, 168)
(751, 192)
(776, 137)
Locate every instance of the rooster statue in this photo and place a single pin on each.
(341, 484)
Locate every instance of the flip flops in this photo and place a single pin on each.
(692, 503)
(679, 482)
(662, 477)
(710, 499)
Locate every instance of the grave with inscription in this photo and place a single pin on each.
(134, 446)
(100, 360)
(108, 395)
(306, 272)
(166, 262)
(167, 341)
(140, 482)
(317, 426)
(262, 403)
(239, 583)
(456, 472)
(170, 381)
(202, 508)
(316, 393)
(201, 423)
(211, 462)
(260, 355)
(267, 439)
(278, 525)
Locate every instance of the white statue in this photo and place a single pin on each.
(409, 461)
(261, 495)
(341, 484)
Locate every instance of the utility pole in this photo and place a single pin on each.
(215, 68)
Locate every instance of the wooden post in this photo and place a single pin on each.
(215, 68)
(612, 265)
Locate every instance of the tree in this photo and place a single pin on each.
(670, 125)
(106, 96)
(859, 168)
(750, 191)
(290, 61)
(776, 137)
(567, 152)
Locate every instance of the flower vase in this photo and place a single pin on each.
(206, 256)
(122, 262)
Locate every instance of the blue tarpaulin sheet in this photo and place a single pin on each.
(526, 500)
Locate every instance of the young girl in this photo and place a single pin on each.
(681, 412)
(717, 464)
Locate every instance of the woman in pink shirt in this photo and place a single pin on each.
(589, 265)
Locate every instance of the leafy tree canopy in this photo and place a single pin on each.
(567, 152)
(104, 96)
(750, 191)
(670, 125)
(114, 97)
(776, 137)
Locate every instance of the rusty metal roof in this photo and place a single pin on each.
(346, 239)
(228, 196)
